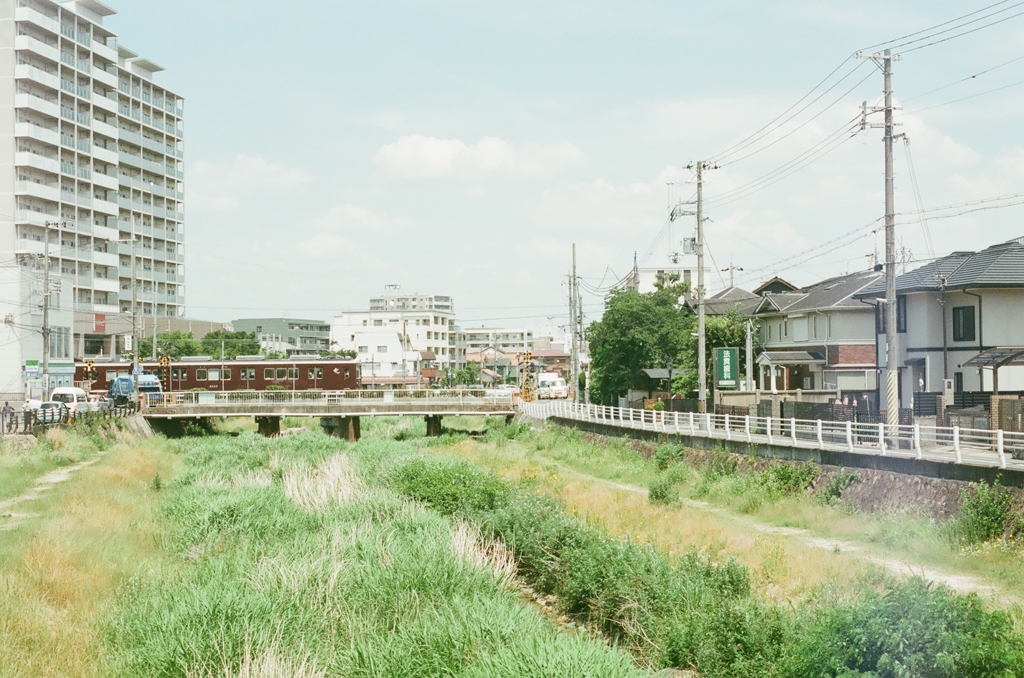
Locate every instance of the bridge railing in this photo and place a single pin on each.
(948, 444)
(478, 397)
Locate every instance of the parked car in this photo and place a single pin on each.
(75, 399)
(100, 401)
(52, 412)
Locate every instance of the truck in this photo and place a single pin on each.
(551, 386)
(122, 388)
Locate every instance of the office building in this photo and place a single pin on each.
(287, 335)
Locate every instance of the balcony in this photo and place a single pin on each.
(30, 15)
(105, 103)
(35, 218)
(50, 108)
(130, 160)
(104, 154)
(131, 137)
(154, 145)
(108, 79)
(30, 131)
(104, 51)
(29, 43)
(47, 164)
(105, 285)
(106, 207)
(106, 130)
(106, 234)
(26, 72)
(43, 191)
(67, 59)
(154, 167)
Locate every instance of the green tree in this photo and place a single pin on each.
(637, 331)
(234, 343)
(174, 344)
(470, 374)
(723, 331)
(339, 355)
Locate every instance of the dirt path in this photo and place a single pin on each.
(957, 582)
(9, 519)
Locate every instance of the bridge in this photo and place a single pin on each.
(339, 411)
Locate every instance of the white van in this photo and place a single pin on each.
(75, 399)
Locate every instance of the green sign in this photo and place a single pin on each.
(727, 366)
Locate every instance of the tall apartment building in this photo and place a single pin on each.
(501, 339)
(93, 147)
(287, 335)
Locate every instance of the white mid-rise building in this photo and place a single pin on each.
(403, 338)
(92, 159)
(499, 339)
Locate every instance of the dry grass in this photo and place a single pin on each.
(473, 549)
(316, 490)
(60, 571)
(269, 663)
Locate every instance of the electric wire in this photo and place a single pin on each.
(972, 96)
(962, 80)
(915, 188)
(944, 23)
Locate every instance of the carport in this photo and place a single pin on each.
(995, 358)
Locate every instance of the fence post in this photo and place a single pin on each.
(1000, 449)
(917, 440)
(792, 429)
(708, 422)
(849, 436)
(881, 437)
(770, 440)
(821, 438)
(746, 427)
(728, 432)
(676, 415)
(956, 445)
(693, 427)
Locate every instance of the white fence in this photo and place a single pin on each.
(468, 397)
(952, 445)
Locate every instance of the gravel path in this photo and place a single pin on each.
(10, 520)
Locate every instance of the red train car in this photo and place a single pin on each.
(300, 374)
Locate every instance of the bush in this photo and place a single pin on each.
(836, 485)
(275, 387)
(783, 480)
(666, 455)
(985, 514)
(662, 490)
(450, 485)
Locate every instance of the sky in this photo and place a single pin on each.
(460, 148)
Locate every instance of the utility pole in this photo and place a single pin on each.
(574, 364)
(892, 400)
(135, 337)
(46, 308)
(750, 356)
(702, 363)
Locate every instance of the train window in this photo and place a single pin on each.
(214, 375)
(268, 372)
(282, 373)
(252, 372)
(200, 374)
(346, 373)
(227, 374)
(293, 372)
(316, 373)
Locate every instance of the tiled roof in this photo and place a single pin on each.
(998, 266)
(832, 293)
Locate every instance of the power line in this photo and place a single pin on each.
(932, 28)
(972, 96)
(960, 35)
(962, 80)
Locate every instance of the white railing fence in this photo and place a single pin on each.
(947, 444)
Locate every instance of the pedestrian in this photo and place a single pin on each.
(8, 417)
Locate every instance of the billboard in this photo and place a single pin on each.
(727, 366)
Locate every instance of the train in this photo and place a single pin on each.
(245, 373)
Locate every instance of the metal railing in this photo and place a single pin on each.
(955, 445)
(469, 397)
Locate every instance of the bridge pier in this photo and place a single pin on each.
(269, 427)
(433, 425)
(346, 428)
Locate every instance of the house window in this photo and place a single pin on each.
(200, 374)
(963, 323)
(814, 324)
(901, 314)
(880, 318)
(828, 320)
(268, 372)
(769, 332)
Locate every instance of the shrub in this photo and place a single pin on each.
(662, 490)
(783, 480)
(450, 485)
(272, 387)
(659, 406)
(667, 455)
(985, 514)
(836, 485)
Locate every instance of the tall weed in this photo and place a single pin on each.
(986, 513)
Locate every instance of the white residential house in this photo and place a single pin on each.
(949, 311)
(818, 337)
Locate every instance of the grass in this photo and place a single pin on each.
(21, 466)
(60, 571)
(295, 564)
(736, 499)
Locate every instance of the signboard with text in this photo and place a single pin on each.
(99, 323)
(727, 364)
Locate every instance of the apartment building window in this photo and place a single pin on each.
(378, 323)
(963, 323)
(382, 349)
(364, 349)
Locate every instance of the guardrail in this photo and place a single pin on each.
(477, 397)
(953, 445)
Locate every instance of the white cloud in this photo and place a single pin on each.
(224, 185)
(348, 228)
(418, 156)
